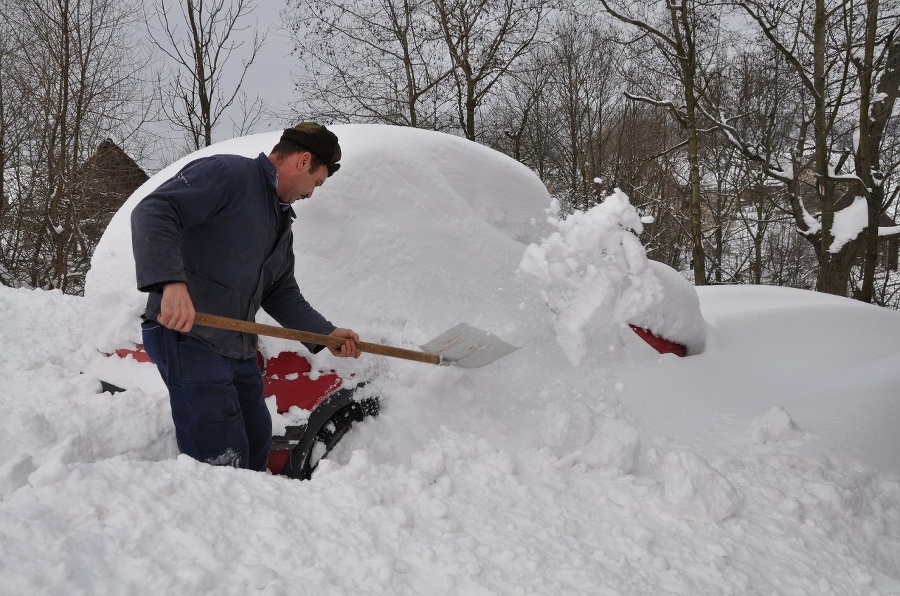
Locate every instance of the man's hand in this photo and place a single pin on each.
(177, 310)
(349, 349)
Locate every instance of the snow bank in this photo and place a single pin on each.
(775, 425)
(697, 490)
(831, 362)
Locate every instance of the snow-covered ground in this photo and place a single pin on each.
(767, 462)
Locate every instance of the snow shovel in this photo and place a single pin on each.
(462, 345)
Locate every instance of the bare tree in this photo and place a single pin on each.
(7, 110)
(677, 29)
(760, 88)
(740, 203)
(556, 111)
(879, 87)
(721, 201)
(68, 83)
(485, 40)
(201, 43)
(820, 44)
(370, 61)
(520, 123)
(584, 84)
(400, 61)
(638, 161)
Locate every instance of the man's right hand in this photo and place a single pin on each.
(176, 311)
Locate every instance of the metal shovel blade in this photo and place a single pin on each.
(468, 347)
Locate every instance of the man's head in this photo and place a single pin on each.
(314, 138)
(304, 157)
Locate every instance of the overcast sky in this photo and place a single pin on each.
(270, 75)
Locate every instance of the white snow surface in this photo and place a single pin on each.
(584, 463)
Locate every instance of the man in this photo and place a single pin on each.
(217, 238)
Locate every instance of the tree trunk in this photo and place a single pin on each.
(834, 271)
(688, 60)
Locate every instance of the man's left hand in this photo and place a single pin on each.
(349, 349)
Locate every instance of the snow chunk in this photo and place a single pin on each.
(14, 474)
(594, 272)
(613, 447)
(775, 426)
(849, 223)
(697, 490)
(595, 276)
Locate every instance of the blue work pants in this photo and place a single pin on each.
(217, 402)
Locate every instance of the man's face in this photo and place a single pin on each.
(297, 180)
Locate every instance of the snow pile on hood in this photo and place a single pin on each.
(595, 273)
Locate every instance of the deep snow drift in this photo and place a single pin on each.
(584, 463)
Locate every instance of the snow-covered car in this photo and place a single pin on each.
(444, 219)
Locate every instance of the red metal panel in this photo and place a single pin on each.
(660, 344)
(278, 460)
(287, 377)
(137, 353)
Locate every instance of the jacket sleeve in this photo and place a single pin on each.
(284, 301)
(157, 222)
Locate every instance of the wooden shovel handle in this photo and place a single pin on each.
(318, 339)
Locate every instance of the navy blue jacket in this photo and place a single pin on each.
(218, 226)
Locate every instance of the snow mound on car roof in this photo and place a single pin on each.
(418, 226)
